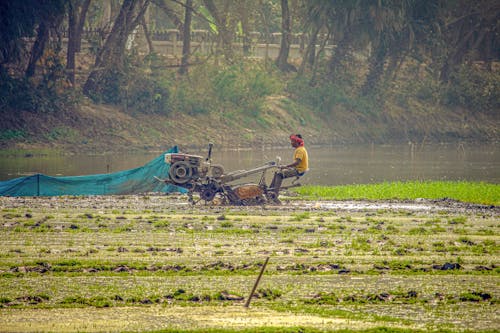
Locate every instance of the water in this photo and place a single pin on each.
(335, 165)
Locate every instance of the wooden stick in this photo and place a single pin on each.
(247, 303)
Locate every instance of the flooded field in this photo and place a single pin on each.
(142, 263)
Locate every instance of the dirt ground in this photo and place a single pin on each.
(152, 262)
(175, 201)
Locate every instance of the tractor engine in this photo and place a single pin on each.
(184, 167)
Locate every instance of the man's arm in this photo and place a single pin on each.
(294, 164)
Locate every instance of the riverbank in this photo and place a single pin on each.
(96, 128)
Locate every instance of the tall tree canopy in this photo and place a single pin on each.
(385, 34)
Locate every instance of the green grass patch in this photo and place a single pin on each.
(471, 192)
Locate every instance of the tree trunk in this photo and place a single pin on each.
(223, 26)
(310, 54)
(165, 7)
(38, 48)
(342, 49)
(76, 21)
(320, 51)
(109, 63)
(186, 38)
(282, 60)
(244, 11)
(72, 40)
(147, 35)
(265, 14)
(81, 23)
(375, 70)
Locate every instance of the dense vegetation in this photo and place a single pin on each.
(386, 66)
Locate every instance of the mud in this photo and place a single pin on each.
(157, 203)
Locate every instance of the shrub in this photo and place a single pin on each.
(473, 88)
(244, 88)
(146, 94)
(10, 134)
(24, 95)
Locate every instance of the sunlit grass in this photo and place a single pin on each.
(472, 192)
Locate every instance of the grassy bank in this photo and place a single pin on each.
(471, 192)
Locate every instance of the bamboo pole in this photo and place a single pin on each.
(247, 303)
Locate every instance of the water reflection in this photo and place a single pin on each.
(328, 165)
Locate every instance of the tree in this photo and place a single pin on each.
(50, 15)
(17, 19)
(316, 19)
(186, 38)
(20, 19)
(266, 16)
(225, 26)
(244, 12)
(77, 11)
(344, 21)
(471, 32)
(286, 33)
(165, 6)
(384, 22)
(109, 68)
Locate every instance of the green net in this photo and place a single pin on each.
(133, 181)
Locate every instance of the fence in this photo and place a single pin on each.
(169, 42)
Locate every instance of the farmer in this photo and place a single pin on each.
(297, 168)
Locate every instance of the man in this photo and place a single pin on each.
(297, 168)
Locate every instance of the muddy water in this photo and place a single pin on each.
(328, 165)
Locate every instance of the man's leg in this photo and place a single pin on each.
(276, 183)
(278, 179)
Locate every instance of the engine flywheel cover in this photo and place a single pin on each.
(180, 172)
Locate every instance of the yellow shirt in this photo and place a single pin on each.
(301, 154)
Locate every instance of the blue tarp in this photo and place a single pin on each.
(133, 181)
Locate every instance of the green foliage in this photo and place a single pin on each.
(324, 97)
(481, 193)
(18, 19)
(10, 134)
(301, 216)
(237, 88)
(193, 99)
(58, 133)
(145, 94)
(48, 94)
(474, 89)
(134, 87)
(244, 87)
